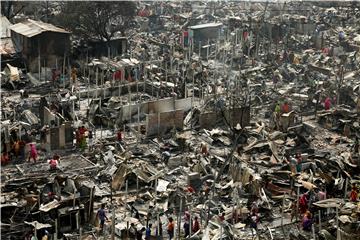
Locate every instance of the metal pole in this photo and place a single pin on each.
(97, 75)
(320, 227)
(282, 212)
(179, 221)
(39, 60)
(190, 222)
(297, 203)
(137, 183)
(56, 229)
(346, 186)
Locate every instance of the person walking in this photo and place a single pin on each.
(33, 153)
(170, 228)
(102, 216)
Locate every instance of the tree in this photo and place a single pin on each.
(10, 9)
(99, 20)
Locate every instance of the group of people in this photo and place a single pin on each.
(20, 151)
(135, 233)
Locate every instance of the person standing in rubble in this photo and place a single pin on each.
(171, 228)
(132, 231)
(73, 75)
(33, 153)
(54, 162)
(285, 108)
(354, 193)
(102, 216)
(5, 159)
(222, 217)
(298, 162)
(186, 224)
(16, 148)
(303, 203)
(285, 57)
(148, 232)
(196, 225)
(307, 221)
(82, 132)
(204, 149)
(165, 156)
(327, 103)
(254, 220)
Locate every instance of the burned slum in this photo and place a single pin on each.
(180, 119)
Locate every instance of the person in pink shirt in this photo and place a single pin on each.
(327, 103)
(33, 152)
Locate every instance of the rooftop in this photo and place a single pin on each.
(31, 28)
(206, 25)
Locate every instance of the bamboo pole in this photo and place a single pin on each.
(179, 217)
(320, 224)
(346, 186)
(96, 78)
(39, 59)
(113, 223)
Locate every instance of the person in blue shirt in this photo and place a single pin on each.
(148, 232)
(102, 216)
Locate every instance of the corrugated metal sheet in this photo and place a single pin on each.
(31, 28)
(5, 24)
(206, 25)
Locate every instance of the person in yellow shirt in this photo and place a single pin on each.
(73, 75)
(296, 60)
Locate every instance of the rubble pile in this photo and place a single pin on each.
(209, 120)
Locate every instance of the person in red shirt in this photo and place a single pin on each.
(327, 103)
(119, 136)
(54, 162)
(5, 158)
(190, 189)
(170, 228)
(303, 203)
(285, 107)
(354, 193)
(196, 225)
(222, 217)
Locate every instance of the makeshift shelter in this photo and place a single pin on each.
(41, 44)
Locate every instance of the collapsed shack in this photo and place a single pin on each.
(57, 198)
